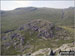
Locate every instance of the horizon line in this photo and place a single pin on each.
(36, 7)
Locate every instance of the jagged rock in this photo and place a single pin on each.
(13, 35)
(4, 38)
(41, 51)
(21, 28)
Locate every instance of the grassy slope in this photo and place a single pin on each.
(13, 19)
(37, 43)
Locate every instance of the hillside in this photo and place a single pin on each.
(34, 35)
(14, 18)
(29, 29)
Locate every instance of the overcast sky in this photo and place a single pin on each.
(10, 5)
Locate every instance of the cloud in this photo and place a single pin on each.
(24, 3)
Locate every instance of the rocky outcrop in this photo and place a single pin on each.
(45, 29)
(47, 51)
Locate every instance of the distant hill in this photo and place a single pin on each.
(15, 18)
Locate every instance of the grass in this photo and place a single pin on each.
(13, 19)
(67, 28)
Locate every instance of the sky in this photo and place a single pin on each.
(10, 5)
